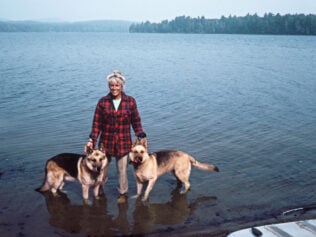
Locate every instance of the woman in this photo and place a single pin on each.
(114, 115)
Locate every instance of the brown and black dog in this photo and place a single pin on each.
(90, 170)
(148, 167)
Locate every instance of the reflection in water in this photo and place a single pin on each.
(147, 216)
(94, 219)
(90, 220)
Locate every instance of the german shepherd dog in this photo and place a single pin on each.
(148, 167)
(90, 170)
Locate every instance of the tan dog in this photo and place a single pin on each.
(90, 170)
(148, 167)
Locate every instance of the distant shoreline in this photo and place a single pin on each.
(83, 26)
(269, 24)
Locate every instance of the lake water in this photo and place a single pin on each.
(245, 103)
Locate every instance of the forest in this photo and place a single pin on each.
(289, 24)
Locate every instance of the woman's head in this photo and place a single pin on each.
(116, 83)
(116, 76)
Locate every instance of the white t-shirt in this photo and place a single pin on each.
(116, 103)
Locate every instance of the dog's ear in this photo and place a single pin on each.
(135, 142)
(88, 151)
(101, 148)
(143, 142)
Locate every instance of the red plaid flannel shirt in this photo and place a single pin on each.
(114, 127)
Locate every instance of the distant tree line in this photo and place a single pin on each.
(84, 26)
(289, 24)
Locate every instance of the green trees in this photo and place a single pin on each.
(297, 24)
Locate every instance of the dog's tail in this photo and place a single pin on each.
(44, 187)
(203, 166)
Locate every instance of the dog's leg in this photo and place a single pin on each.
(45, 187)
(96, 191)
(61, 186)
(179, 183)
(54, 191)
(85, 192)
(150, 186)
(139, 187)
(183, 176)
(101, 191)
(186, 187)
(55, 181)
(54, 188)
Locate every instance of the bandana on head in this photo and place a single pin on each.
(116, 75)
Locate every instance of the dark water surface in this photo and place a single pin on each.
(244, 103)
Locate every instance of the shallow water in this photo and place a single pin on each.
(244, 103)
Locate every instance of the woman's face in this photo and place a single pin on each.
(115, 89)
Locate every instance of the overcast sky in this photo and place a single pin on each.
(143, 10)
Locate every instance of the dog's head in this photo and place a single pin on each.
(96, 160)
(139, 153)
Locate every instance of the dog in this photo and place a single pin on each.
(148, 167)
(90, 170)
